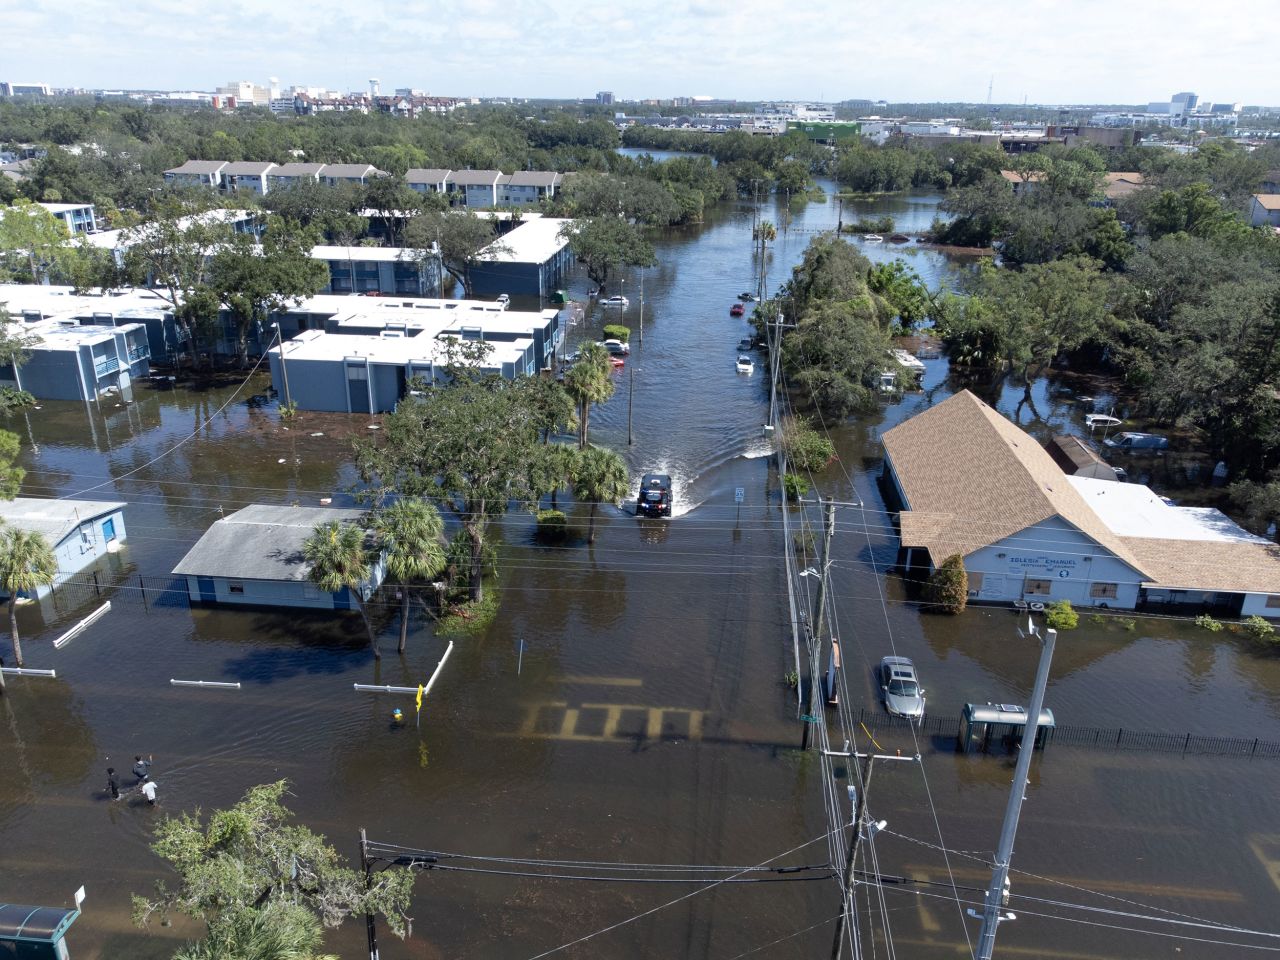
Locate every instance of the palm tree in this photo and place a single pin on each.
(411, 534)
(588, 381)
(337, 556)
(599, 476)
(26, 563)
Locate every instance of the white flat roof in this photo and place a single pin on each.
(435, 322)
(317, 345)
(65, 335)
(56, 208)
(394, 254)
(51, 301)
(111, 239)
(358, 305)
(534, 241)
(1132, 510)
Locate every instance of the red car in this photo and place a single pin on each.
(617, 362)
(737, 310)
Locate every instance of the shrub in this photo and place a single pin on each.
(553, 525)
(1260, 629)
(616, 331)
(794, 486)
(1206, 622)
(807, 450)
(471, 618)
(791, 679)
(948, 588)
(1060, 616)
(289, 411)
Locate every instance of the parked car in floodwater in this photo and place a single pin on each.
(1137, 441)
(900, 688)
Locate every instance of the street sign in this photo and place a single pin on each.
(739, 494)
(808, 719)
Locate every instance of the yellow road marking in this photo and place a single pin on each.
(1005, 950)
(1108, 886)
(569, 722)
(530, 726)
(926, 918)
(1266, 847)
(654, 719)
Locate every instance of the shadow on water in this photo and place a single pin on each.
(279, 647)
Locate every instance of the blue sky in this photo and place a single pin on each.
(1050, 51)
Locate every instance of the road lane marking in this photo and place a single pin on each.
(1108, 886)
(1266, 847)
(659, 723)
(606, 681)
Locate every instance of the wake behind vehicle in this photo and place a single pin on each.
(900, 689)
(655, 496)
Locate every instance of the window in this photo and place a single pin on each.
(1273, 602)
(235, 587)
(975, 582)
(1102, 591)
(1036, 588)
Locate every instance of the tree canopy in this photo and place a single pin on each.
(249, 874)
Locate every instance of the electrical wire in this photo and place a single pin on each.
(663, 906)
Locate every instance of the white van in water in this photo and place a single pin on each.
(1137, 441)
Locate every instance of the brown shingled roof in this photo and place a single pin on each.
(1269, 201)
(1210, 565)
(972, 478)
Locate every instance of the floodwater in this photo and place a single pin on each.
(629, 705)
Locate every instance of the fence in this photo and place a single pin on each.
(76, 591)
(944, 729)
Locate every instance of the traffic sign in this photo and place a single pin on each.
(739, 494)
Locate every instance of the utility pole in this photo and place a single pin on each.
(642, 307)
(860, 808)
(815, 662)
(775, 351)
(997, 891)
(631, 393)
(366, 868)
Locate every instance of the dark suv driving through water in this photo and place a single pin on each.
(655, 496)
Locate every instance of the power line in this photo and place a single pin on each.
(663, 906)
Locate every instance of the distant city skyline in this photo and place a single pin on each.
(1044, 51)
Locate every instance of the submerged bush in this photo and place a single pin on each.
(1061, 616)
(948, 589)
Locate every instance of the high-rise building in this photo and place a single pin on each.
(605, 97)
(375, 87)
(246, 92)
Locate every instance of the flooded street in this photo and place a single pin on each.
(629, 704)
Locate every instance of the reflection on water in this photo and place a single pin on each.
(628, 704)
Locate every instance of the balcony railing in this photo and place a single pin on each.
(109, 365)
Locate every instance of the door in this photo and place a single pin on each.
(207, 593)
(358, 388)
(109, 529)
